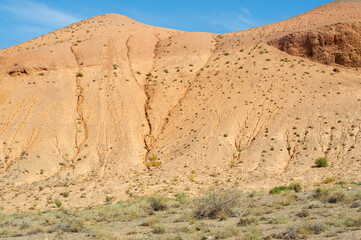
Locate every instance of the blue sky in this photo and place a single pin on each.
(22, 20)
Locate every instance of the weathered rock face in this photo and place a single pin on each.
(333, 44)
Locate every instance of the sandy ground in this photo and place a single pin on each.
(112, 107)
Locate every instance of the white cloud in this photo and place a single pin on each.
(31, 29)
(246, 17)
(246, 11)
(31, 11)
(232, 21)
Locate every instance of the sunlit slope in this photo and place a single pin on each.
(113, 106)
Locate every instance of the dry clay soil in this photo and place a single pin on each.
(112, 107)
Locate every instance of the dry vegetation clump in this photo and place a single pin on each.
(216, 204)
(290, 233)
(247, 221)
(218, 214)
(157, 203)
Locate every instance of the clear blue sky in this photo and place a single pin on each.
(22, 20)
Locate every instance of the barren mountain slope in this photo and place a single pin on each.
(113, 107)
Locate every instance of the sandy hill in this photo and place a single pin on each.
(112, 107)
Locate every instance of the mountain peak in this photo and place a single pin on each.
(115, 16)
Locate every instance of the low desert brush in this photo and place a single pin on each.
(214, 204)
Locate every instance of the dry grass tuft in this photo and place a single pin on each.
(212, 205)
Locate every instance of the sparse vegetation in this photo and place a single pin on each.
(321, 162)
(213, 205)
(157, 203)
(297, 187)
(244, 216)
(130, 147)
(278, 190)
(57, 202)
(328, 180)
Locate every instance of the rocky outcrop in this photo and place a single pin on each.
(332, 44)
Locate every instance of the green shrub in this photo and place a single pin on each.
(57, 202)
(278, 190)
(328, 180)
(79, 74)
(341, 183)
(321, 162)
(181, 197)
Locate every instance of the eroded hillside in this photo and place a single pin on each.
(113, 107)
